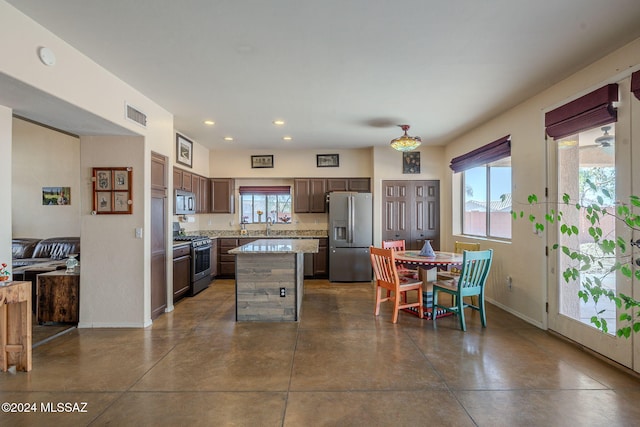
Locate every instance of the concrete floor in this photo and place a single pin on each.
(339, 366)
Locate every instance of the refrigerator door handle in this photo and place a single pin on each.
(350, 219)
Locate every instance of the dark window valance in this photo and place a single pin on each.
(588, 111)
(273, 189)
(496, 150)
(635, 84)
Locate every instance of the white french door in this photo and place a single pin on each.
(605, 157)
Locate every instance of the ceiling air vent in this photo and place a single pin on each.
(136, 115)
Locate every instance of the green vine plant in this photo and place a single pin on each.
(590, 265)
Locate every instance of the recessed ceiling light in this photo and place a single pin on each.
(209, 122)
(278, 122)
(228, 138)
(287, 138)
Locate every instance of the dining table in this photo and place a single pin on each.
(428, 267)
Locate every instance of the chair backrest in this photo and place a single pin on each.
(474, 271)
(465, 246)
(396, 245)
(384, 267)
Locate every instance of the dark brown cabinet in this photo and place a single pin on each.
(181, 271)
(222, 197)
(411, 212)
(205, 195)
(159, 190)
(200, 188)
(361, 185)
(226, 261)
(182, 180)
(309, 195)
(321, 259)
(214, 258)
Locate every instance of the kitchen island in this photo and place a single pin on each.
(269, 278)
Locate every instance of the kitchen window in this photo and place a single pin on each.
(257, 204)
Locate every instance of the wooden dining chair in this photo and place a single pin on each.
(454, 272)
(386, 277)
(399, 245)
(472, 281)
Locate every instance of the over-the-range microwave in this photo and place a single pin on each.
(185, 202)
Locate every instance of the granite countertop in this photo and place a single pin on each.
(275, 234)
(278, 246)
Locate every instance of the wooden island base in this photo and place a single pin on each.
(269, 278)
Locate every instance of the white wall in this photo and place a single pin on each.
(110, 284)
(523, 258)
(81, 82)
(44, 158)
(289, 163)
(5, 186)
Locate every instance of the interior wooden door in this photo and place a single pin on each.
(158, 234)
(411, 212)
(396, 220)
(426, 213)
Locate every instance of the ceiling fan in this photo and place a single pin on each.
(604, 142)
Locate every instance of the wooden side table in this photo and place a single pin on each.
(15, 326)
(58, 297)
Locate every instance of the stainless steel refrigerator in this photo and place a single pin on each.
(350, 235)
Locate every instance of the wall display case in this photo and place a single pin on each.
(112, 191)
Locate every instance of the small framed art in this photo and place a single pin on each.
(411, 162)
(56, 196)
(184, 151)
(112, 191)
(262, 161)
(327, 160)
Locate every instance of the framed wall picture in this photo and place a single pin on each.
(327, 160)
(112, 191)
(184, 151)
(56, 196)
(262, 161)
(411, 162)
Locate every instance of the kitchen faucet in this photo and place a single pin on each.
(269, 224)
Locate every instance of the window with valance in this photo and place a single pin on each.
(486, 189)
(260, 203)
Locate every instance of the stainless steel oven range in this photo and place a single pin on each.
(200, 262)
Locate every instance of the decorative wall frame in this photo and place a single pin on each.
(262, 161)
(411, 162)
(184, 151)
(56, 196)
(327, 160)
(112, 191)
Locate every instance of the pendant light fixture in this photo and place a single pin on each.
(406, 142)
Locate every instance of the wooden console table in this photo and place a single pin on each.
(58, 298)
(15, 326)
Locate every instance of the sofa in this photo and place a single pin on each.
(29, 251)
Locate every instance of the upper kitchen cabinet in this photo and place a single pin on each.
(309, 195)
(200, 187)
(182, 180)
(361, 185)
(222, 198)
(205, 194)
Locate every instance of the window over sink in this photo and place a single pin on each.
(260, 203)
